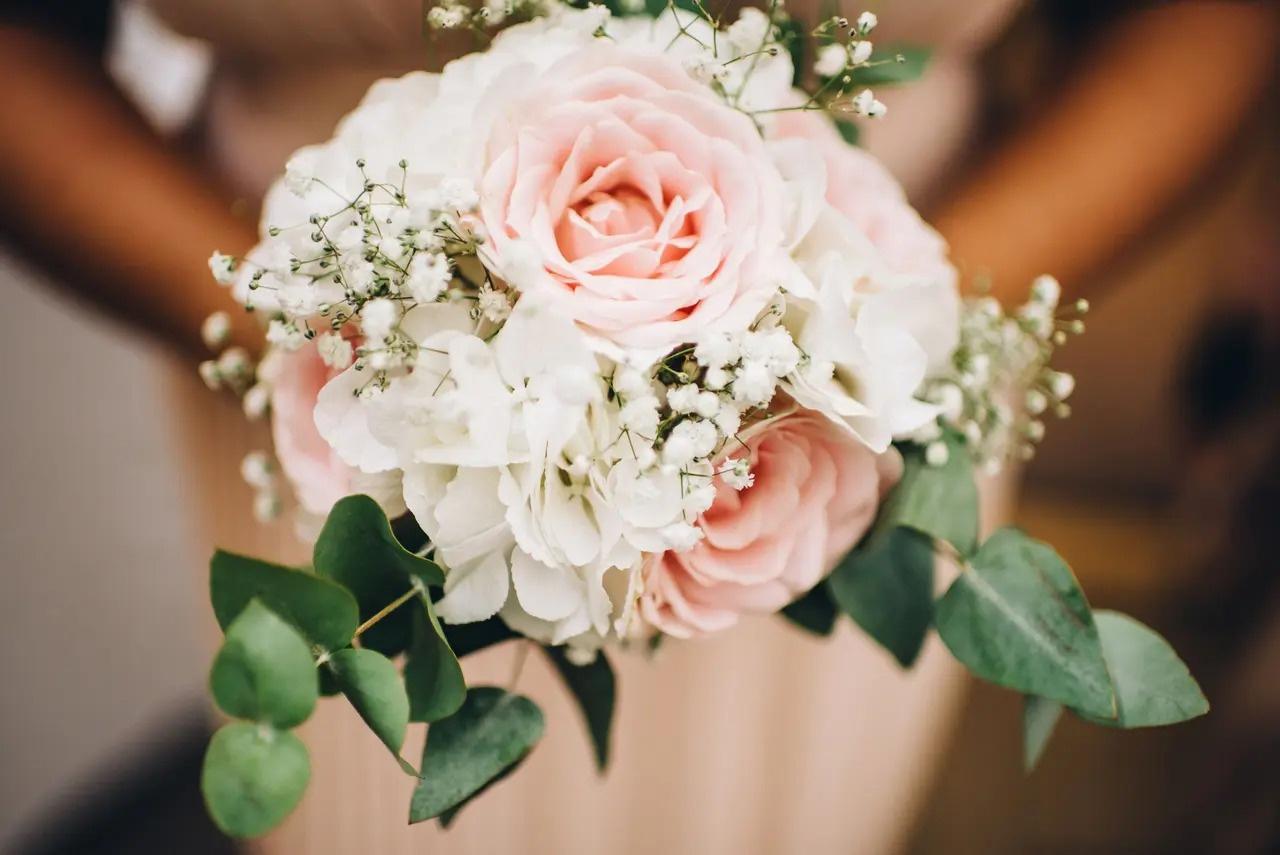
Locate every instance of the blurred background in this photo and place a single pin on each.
(1162, 490)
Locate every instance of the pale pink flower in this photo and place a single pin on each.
(652, 209)
(815, 494)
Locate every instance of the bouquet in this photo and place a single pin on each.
(609, 334)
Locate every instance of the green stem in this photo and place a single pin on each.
(390, 607)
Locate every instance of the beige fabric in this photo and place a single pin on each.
(760, 740)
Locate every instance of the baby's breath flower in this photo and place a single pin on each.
(256, 401)
(223, 268)
(215, 329)
(335, 351)
(831, 60)
(860, 52)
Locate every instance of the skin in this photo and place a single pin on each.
(128, 222)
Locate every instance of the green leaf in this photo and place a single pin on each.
(492, 732)
(1017, 617)
(253, 776)
(264, 670)
(1153, 686)
(886, 586)
(592, 686)
(432, 676)
(814, 612)
(940, 501)
(357, 549)
(446, 818)
(323, 612)
(468, 638)
(1039, 716)
(849, 131)
(373, 686)
(915, 60)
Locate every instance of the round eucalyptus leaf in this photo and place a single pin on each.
(373, 686)
(253, 776)
(264, 670)
(324, 612)
(481, 742)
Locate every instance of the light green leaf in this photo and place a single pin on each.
(888, 70)
(940, 501)
(886, 586)
(1016, 616)
(491, 733)
(814, 612)
(264, 670)
(325, 613)
(432, 676)
(593, 687)
(373, 686)
(1039, 716)
(253, 776)
(1153, 685)
(358, 549)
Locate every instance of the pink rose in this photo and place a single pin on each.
(815, 494)
(318, 475)
(860, 187)
(646, 207)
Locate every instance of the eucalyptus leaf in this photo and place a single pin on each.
(886, 586)
(358, 549)
(325, 613)
(1039, 717)
(373, 686)
(593, 687)
(889, 70)
(940, 501)
(446, 818)
(491, 733)
(1153, 686)
(468, 638)
(814, 612)
(432, 676)
(849, 131)
(264, 670)
(253, 776)
(1016, 616)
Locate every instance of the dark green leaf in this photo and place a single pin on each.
(941, 501)
(849, 131)
(814, 612)
(432, 675)
(492, 732)
(446, 818)
(468, 638)
(791, 34)
(915, 60)
(373, 686)
(264, 670)
(886, 586)
(253, 776)
(1153, 686)
(592, 686)
(323, 612)
(357, 549)
(1017, 617)
(1039, 716)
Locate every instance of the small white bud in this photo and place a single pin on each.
(860, 53)
(937, 454)
(210, 374)
(215, 329)
(866, 22)
(1046, 290)
(831, 60)
(257, 399)
(1062, 385)
(258, 470)
(266, 506)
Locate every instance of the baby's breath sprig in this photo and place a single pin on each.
(999, 356)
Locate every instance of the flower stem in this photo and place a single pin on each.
(390, 607)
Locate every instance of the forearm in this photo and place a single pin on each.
(1160, 96)
(99, 198)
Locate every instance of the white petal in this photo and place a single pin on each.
(548, 593)
(475, 591)
(343, 422)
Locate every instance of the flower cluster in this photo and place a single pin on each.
(616, 314)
